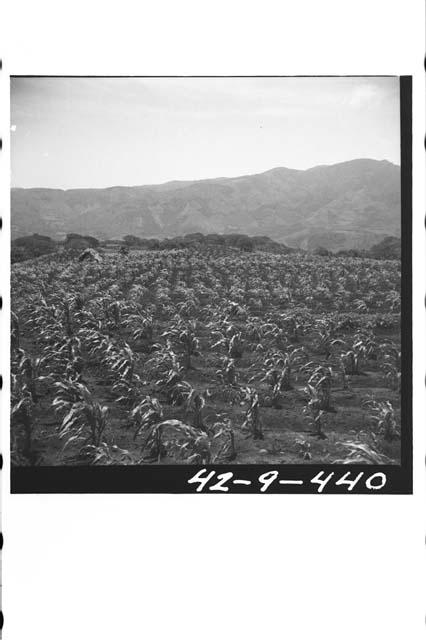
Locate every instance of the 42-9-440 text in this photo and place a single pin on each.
(205, 480)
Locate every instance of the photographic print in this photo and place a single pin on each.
(213, 320)
(210, 282)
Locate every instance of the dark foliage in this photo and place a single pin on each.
(388, 249)
(31, 247)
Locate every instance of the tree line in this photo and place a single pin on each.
(35, 245)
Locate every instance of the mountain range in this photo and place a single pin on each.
(352, 204)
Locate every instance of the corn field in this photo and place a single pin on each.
(191, 357)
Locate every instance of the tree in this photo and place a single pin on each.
(322, 251)
(244, 243)
(132, 241)
(388, 249)
(32, 246)
(77, 241)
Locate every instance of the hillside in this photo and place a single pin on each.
(353, 204)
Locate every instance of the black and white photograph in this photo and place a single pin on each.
(212, 320)
(207, 271)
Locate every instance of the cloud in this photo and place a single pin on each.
(13, 128)
(361, 96)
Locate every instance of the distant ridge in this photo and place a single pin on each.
(353, 204)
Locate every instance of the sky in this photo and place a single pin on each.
(101, 132)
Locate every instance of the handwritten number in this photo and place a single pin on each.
(373, 485)
(320, 481)
(203, 480)
(266, 479)
(351, 483)
(220, 486)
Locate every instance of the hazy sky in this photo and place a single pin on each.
(98, 132)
